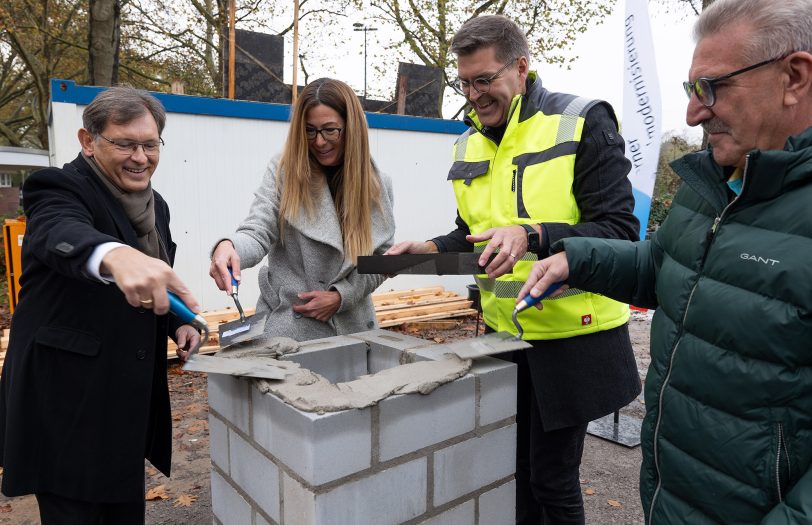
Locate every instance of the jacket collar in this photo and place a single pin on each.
(769, 173)
(323, 226)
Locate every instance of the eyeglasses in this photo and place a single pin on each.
(129, 147)
(481, 85)
(328, 134)
(704, 86)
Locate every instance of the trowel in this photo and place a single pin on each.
(243, 329)
(218, 365)
(499, 342)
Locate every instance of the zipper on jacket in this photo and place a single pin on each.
(710, 238)
(781, 448)
(513, 182)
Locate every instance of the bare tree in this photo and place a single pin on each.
(104, 37)
(39, 40)
(427, 26)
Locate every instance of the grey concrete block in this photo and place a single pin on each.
(299, 504)
(411, 422)
(338, 359)
(255, 474)
(388, 497)
(229, 396)
(320, 448)
(226, 504)
(473, 464)
(460, 515)
(497, 389)
(498, 506)
(218, 443)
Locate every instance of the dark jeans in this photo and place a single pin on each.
(548, 488)
(56, 510)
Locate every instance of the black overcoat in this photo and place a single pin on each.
(83, 394)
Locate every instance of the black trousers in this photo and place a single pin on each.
(56, 510)
(548, 488)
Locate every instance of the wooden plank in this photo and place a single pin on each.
(221, 316)
(420, 302)
(412, 291)
(424, 310)
(437, 324)
(442, 315)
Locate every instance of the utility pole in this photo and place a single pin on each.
(365, 28)
(295, 93)
(232, 47)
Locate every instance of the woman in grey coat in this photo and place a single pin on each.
(321, 204)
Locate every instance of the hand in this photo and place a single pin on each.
(512, 244)
(412, 247)
(546, 272)
(223, 258)
(319, 305)
(145, 280)
(187, 338)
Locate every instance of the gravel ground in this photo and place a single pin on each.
(609, 472)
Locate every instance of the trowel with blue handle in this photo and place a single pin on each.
(243, 366)
(243, 329)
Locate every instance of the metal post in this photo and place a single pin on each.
(365, 28)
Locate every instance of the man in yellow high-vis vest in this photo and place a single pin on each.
(535, 167)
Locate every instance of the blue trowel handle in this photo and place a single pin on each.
(529, 300)
(179, 308)
(235, 284)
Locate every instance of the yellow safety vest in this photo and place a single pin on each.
(527, 179)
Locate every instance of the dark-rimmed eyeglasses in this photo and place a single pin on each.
(130, 147)
(704, 87)
(481, 85)
(328, 134)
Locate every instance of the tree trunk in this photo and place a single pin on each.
(104, 38)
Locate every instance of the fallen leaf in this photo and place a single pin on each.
(184, 500)
(614, 503)
(439, 339)
(5, 509)
(197, 426)
(158, 492)
(589, 492)
(151, 471)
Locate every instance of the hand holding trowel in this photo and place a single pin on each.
(243, 329)
(218, 365)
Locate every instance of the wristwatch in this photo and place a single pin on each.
(532, 239)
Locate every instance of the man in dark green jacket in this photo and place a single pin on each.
(727, 436)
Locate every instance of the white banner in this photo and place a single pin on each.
(641, 121)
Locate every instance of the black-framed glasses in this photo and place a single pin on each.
(130, 146)
(704, 88)
(482, 84)
(328, 134)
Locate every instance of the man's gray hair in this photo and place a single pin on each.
(496, 31)
(121, 105)
(778, 27)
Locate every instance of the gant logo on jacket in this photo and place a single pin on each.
(762, 260)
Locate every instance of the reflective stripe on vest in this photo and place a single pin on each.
(528, 179)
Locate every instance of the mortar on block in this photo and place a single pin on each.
(342, 442)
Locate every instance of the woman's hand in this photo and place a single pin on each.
(320, 305)
(223, 258)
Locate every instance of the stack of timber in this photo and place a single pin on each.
(419, 304)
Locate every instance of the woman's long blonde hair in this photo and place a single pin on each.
(360, 187)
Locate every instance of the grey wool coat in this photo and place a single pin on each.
(309, 257)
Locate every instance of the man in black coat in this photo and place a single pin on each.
(534, 167)
(83, 394)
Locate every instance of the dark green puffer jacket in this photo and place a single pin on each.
(727, 436)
